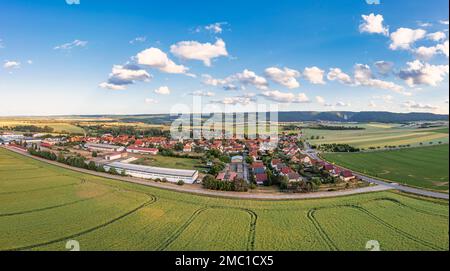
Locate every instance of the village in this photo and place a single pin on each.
(231, 164)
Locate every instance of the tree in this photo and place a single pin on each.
(92, 165)
(180, 182)
(94, 154)
(249, 160)
(112, 171)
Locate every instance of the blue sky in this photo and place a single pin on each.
(300, 55)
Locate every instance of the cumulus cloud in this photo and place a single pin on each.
(248, 77)
(202, 93)
(123, 75)
(373, 24)
(419, 106)
(320, 100)
(138, 40)
(314, 75)
(420, 73)
(237, 100)
(336, 74)
(437, 36)
(151, 101)
(70, 45)
(194, 50)
(9, 65)
(384, 67)
(404, 38)
(285, 77)
(363, 77)
(164, 90)
(283, 97)
(444, 22)
(216, 28)
(426, 53)
(155, 58)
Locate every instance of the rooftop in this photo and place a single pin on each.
(155, 170)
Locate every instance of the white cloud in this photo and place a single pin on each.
(107, 85)
(336, 74)
(420, 73)
(384, 67)
(138, 40)
(437, 36)
(419, 106)
(372, 104)
(342, 104)
(248, 77)
(151, 101)
(404, 38)
(444, 22)
(373, 24)
(443, 48)
(11, 65)
(30, 62)
(314, 75)
(164, 90)
(283, 97)
(157, 59)
(238, 100)
(123, 75)
(426, 53)
(203, 93)
(364, 77)
(70, 45)
(285, 77)
(216, 28)
(193, 50)
(320, 100)
(424, 24)
(385, 98)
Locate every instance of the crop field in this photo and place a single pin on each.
(425, 167)
(170, 162)
(379, 135)
(59, 126)
(43, 206)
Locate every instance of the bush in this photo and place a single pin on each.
(180, 182)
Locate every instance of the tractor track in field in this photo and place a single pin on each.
(397, 230)
(54, 206)
(409, 207)
(323, 234)
(251, 239)
(152, 199)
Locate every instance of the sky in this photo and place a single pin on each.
(80, 57)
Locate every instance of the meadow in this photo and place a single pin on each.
(379, 135)
(425, 167)
(59, 126)
(43, 206)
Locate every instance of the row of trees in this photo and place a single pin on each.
(338, 148)
(239, 185)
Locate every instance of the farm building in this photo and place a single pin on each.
(146, 172)
(103, 147)
(115, 155)
(135, 149)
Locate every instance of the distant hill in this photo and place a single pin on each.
(344, 116)
(336, 116)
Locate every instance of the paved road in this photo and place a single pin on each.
(196, 189)
(313, 154)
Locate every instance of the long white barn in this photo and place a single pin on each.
(146, 172)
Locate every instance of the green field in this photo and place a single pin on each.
(59, 126)
(425, 167)
(43, 206)
(379, 135)
(170, 162)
